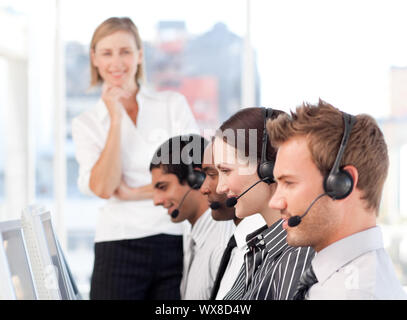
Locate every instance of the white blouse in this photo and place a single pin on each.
(161, 116)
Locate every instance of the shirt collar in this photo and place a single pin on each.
(244, 228)
(335, 256)
(272, 239)
(251, 237)
(275, 238)
(202, 227)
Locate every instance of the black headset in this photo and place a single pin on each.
(266, 167)
(195, 178)
(338, 184)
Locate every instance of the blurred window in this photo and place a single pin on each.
(354, 56)
(3, 93)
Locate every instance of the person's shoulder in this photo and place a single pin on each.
(305, 254)
(166, 96)
(375, 268)
(306, 251)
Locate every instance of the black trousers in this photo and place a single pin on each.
(149, 268)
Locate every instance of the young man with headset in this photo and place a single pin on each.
(330, 170)
(177, 178)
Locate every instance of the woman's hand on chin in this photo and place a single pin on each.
(111, 96)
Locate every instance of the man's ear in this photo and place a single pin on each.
(353, 173)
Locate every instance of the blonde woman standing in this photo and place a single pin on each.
(138, 251)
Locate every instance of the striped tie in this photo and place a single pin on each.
(307, 280)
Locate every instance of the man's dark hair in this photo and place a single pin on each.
(177, 153)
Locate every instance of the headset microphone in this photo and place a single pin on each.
(296, 220)
(230, 202)
(175, 213)
(215, 205)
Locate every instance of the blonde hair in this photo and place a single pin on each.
(107, 28)
(323, 126)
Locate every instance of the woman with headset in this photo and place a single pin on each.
(138, 251)
(245, 161)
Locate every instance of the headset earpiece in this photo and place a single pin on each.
(265, 168)
(338, 184)
(195, 178)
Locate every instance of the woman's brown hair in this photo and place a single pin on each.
(248, 119)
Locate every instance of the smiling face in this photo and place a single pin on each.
(168, 192)
(236, 176)
(299, 182)
(116, 58)
(208, 188)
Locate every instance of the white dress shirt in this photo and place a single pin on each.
(161, 115)
(246, 226)
(210, 238)
(356, 267)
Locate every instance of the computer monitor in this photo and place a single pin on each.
(51, 271)
(16, 277)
